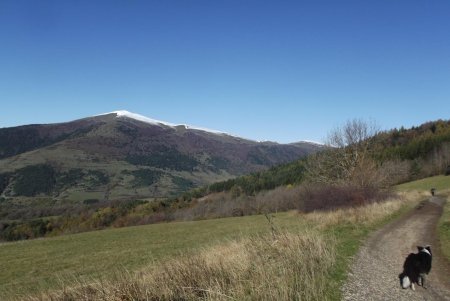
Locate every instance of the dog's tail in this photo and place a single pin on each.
(405, 281)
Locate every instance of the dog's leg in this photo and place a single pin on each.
(413, 287)
(423, 280)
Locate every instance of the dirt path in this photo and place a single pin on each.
(375, 270)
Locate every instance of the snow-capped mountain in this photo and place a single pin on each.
(124, 113)
(121, 155)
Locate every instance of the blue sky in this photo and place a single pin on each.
(267, 70)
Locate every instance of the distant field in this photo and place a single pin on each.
(438, 182)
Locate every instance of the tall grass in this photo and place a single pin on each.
(364, 215)
(284, 266)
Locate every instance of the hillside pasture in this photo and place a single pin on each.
(438, 182)
(38, 265)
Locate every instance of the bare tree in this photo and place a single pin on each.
(396, 171)
(347, 159)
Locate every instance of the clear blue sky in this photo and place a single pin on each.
(267, 70)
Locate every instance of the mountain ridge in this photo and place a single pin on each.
(138, 156)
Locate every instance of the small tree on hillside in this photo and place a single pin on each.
(347, 159)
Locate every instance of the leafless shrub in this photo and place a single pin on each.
(280, 199)
(226, 204)
(395, 172)
(329, 197)
(436, 162)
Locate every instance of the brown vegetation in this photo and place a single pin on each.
(364, 215)
(225, 204)
(347, 161)
(327, 197)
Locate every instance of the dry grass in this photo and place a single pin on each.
(285, 266)
(364, 215)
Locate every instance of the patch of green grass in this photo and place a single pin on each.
(444, 230)
(438, 182)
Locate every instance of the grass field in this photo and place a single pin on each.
(30, 267)
(439, 182)
(36, 265)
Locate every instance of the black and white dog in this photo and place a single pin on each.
(416, 267)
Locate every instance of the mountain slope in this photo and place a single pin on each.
(122, 155)
(404, 155)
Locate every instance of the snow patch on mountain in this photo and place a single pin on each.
(127, 114)
(124, 113)
(314, 142)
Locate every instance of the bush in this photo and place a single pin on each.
(23, 230)
(328, 197)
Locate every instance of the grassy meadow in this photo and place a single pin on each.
(440, 183)
(290, 256)
(34, 265)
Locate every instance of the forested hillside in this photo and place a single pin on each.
(420, 152)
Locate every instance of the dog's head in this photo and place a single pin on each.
(426, 249)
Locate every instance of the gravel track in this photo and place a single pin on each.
(375, 269)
